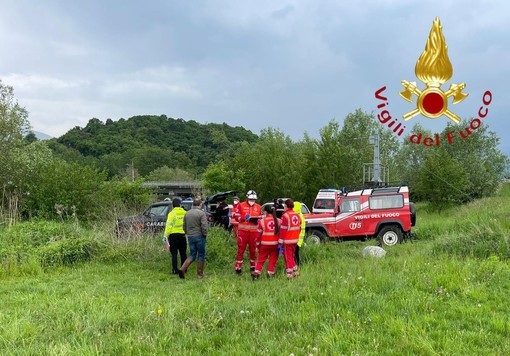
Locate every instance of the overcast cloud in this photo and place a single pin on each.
(292, 65)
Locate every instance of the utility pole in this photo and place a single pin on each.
(374, 140)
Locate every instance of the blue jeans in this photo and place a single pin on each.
(197, 246)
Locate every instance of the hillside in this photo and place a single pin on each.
(150, 142)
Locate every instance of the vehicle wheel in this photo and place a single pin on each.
(315, 237)
(390, 235)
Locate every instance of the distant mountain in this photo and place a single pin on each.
(41, 135)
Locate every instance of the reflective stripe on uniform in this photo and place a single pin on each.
(269, 243)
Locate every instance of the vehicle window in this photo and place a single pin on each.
(158, 210)
(386, 201)
(324, 204)
(186, 205)
(304, 209)
(350, 205)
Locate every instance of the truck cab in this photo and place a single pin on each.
(382, 213)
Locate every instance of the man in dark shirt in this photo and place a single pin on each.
(222, 214)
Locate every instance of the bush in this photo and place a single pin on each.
(221, 248)
(29, 246)
(36, 233)
(68, 251)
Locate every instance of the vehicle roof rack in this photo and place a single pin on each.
(379, 191)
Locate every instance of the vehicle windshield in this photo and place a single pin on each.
(186, 204)
(324, 203)
(157, 210)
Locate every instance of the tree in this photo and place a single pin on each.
(480, 165)
(219, 178)
(73, 187)
(30, 137)
(442, 180)
(357, 150)
(167, 174)
(479, 155)
(410, 159)
(272, 166)
(13, 125)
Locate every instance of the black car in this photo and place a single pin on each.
(152, 220)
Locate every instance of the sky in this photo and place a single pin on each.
(289, 65)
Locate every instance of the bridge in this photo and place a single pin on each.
(175, 189)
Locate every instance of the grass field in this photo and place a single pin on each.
(444, 294)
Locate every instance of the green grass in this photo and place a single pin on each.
(444, 294)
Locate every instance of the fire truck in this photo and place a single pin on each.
(382, 213)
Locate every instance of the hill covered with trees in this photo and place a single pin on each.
(149, 142)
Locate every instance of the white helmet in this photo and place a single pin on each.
(251, 194)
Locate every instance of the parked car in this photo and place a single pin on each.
(152, 220)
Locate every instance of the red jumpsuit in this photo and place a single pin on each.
(234, 221)
(247, 233)
(268, 245)
(289, 237)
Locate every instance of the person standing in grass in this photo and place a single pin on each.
(297, 209)
(250, 212)
(195, 226)
(174, 233)
(289, 237)
(268, 237)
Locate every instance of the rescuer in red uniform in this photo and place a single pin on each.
(268, 239)
(289, 236)
(249, 212)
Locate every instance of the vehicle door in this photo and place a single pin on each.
(349, 220)
(155, 218)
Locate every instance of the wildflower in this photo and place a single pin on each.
(159, 311)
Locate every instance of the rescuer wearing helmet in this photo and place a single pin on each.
(249, 213)
(297, 209)
(289, 237)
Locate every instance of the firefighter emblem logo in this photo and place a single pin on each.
(434, 69)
